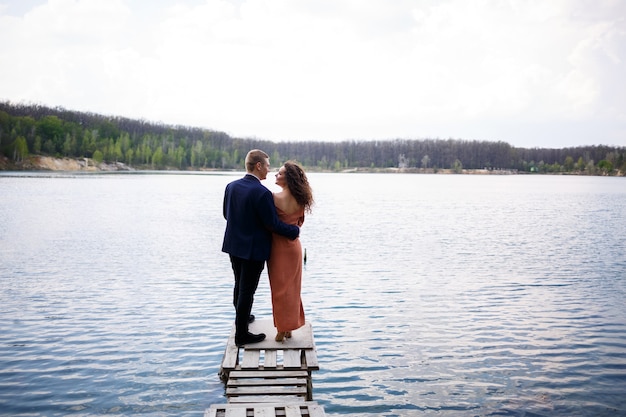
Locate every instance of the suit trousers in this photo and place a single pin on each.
(247, 274)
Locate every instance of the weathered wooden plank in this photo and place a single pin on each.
(266, 390)
(250, 359)
(302, 338)
(268, 374)
(225, 410)
(235, 412)
(291, 358)
(307, 331)
(316, 410)
(246, 382)
(293, 411)
(311, 359)
(264, 412)
(270, 359)
(288, 409)
(231, 356)
(258, 399)
(263, 391)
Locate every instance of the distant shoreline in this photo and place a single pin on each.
(48, 163)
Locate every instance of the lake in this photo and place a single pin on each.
(429, 295)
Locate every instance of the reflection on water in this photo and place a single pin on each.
(428, 294)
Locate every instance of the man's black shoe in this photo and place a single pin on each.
(251, 318)
(249, 338)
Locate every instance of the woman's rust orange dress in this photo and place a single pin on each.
(285, 273)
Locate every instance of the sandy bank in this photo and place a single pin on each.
(47, 163)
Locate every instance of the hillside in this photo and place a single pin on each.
(28, 131)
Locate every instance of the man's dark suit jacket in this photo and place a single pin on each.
(250, 220)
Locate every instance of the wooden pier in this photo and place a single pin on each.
(269, 378)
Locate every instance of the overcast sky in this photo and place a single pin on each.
(545, 73)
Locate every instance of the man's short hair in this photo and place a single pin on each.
(254, 156)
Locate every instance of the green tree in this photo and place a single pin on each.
(48, 147)
(605, 166)
(88, 146)
(125, 142)
(129, 156)
(235, 162)
(37, 145)
(275, 159)
(98, 157)
(541, 166)
(196, 156)
(323, 163)
(157, 158)
(20, 150)
(68, 145)
(457, 166)
(51, 129)
(180, 157)
(118, 154)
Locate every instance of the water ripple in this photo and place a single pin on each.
(474, 296)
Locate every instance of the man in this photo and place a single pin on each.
(250, 220)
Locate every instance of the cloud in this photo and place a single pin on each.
(330, 70)
(59, 52)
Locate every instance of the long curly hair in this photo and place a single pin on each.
(298, 184)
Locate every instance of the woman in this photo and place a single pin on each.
(285, 264)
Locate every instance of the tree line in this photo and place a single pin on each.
(31, 129)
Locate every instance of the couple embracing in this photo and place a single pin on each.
(262, 226)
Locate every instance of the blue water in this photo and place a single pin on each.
(428, 294)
